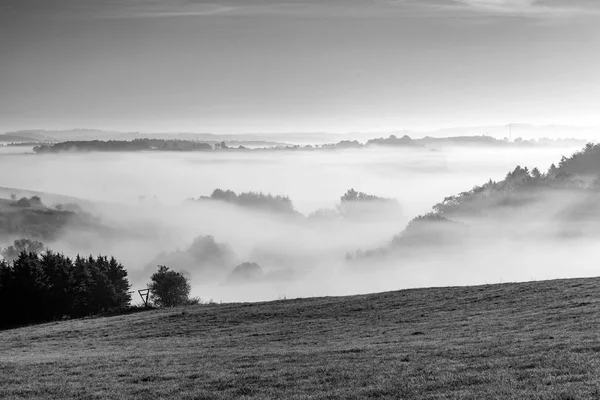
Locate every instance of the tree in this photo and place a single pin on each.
(36, 201)
(23, 202)
(169, 288)
(11, 252)
(246, 272)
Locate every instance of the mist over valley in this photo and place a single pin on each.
(287, 216)
(299, 199)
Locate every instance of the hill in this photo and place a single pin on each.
(510, 341)
(122, 145)
(82, 135)
(559, 203)
(15, 138)
(31, 218)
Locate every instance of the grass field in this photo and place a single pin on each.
(536, 340)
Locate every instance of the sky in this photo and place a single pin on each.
(235, 66)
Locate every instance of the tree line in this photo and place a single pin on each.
(40, 286)
(50, 286)
(256, 200)
(124, 145)
(579, 173)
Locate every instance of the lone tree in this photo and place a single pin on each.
(169, 288)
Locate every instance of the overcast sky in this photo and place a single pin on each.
(297, 65)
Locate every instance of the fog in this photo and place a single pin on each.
(417, 178)
(139, 199)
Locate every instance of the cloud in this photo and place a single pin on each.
(341, 8)
(116, 8)
(541, 8)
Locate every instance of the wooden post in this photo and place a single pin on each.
(144, 293)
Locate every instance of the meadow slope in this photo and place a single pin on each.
(537, 340)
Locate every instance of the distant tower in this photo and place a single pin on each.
(510, 132)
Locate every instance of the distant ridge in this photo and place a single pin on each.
(525, 131)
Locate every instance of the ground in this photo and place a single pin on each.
(537, 340)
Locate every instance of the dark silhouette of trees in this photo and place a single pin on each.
(37, 288)
(393, 141)
(124, 145)
(348, 144)
(169, 288)
(353, 195)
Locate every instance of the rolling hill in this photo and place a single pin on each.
(535, 340)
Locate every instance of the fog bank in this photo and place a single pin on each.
(139, 200)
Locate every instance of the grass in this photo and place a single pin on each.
(538, 340)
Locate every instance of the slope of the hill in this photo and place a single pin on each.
(535, 340)
(559, 203)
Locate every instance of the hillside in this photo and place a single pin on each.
(31, 218)
(14, 138)
(559, 203)
(527, 340)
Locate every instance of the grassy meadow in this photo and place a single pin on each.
(538, 340)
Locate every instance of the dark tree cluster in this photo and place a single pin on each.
(257, 200)
(583, 163)
(38, 288)
(124, 145)
(393, 141)
(348, 144)
(25, 202)
(353, 196)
